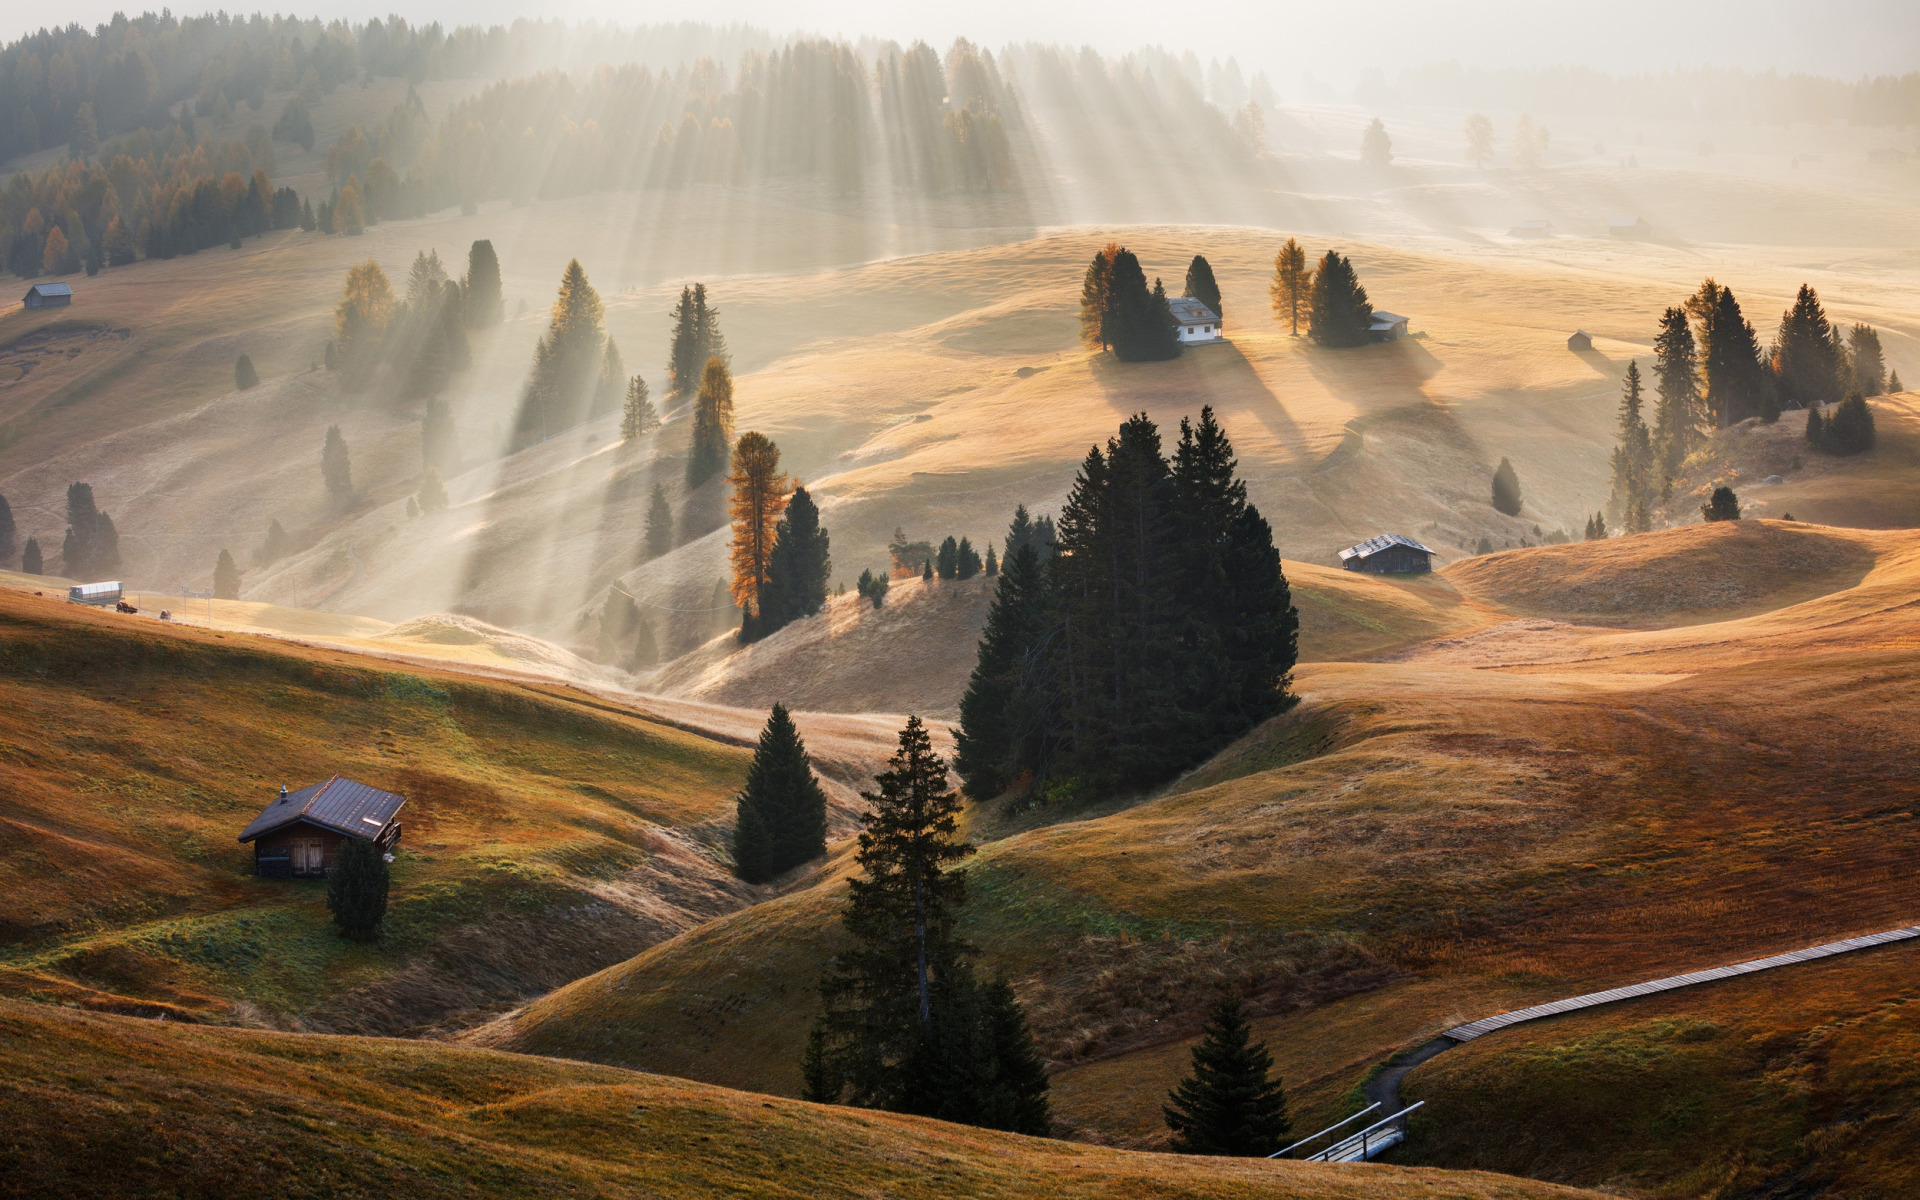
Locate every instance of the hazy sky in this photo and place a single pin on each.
(1333, 39)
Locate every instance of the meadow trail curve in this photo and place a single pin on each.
(1384, 1088)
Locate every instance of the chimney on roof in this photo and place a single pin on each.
(283, 791)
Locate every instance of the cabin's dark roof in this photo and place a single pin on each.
(50, 289)
(1373, 546)
(338, 804)
(1189, 311)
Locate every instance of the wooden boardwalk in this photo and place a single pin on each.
(1474, 1029)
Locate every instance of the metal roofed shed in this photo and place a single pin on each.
(1388, 554)
(47, 295)
(1198, 323)
(1387, 327)
(1580, 342)
(104, 594)
(299, 835)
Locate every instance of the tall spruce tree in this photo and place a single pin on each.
(1632, 498)
(637, 417)
(695, 342)
(1806, 364)
(226, 578)
(797, 572)
(1863, 343)
(1005, 715)
(659, 522)
(1729, 356)
(1338, 311)
(1506, 489)
(357, 889)
(336, 467)
(1229, 1106)
(1292, 285)
(966, 560)
(485, 305)
(712, 424)
(1850, 429)
(1200, 285)
(91, 548)
(565, 384)
(946, 562)
(1678, 416)
(30, 561)
(1141, 327)
(782, 811)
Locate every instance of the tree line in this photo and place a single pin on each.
(1710, 371)
(1157, 629)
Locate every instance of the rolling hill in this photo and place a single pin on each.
(1527, 811)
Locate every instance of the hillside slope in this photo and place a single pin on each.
(110, 1107)
(1513, 815)
(544, 836)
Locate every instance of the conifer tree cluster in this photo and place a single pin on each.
(782, 819)
(796, 584)
(872, 587)
(1632, 500)
(1229, 1106)
(1161, 630)
(1597, 527)
(1681, 413)
(427, 341)
(1118, 311)
(577, 374)
(907, 1027)
(1809, 361)
(956, 559)
(1338, 311)
(1848, 431)
(91, 550)
(712, 424)
(696, 339)
(1028, 531)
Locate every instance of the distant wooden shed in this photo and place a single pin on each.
(48, 295)
(1387, 327)
(1388, 554)
(1580, 342)
(299, 835)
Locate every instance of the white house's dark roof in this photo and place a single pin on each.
(1189, 311)
(1373, 546)
(50, 289)
(338, 804)
(1387, 320)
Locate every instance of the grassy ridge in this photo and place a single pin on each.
(107, 1106)
(136, 753)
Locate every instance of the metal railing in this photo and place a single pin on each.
(1375, 1139)
(1324, 1132)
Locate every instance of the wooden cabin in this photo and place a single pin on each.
(48, 295)
(1580, 342)
(299, 835)
(1387, 327)
(1388, 554)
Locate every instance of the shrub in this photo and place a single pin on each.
(1725, 506)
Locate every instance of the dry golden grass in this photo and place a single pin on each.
(110, 1107)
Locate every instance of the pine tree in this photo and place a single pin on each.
(30, 563)
(926, 575)
(1506, 489)
(244, 376)
(335, 466)
(91, 548)
(882, 993)
(1338, 311)
(947, 561)
(433, 493)
(1805, 363)
(1676, 369)
(1869, 365)
(637, 418)
(1724, 506)
(1816, 429)
(485, 305)
(1292, 283)
(357, 889)
(1096, 306)
(993, 565)
(1376, 148)
(1228, 1106)
(759, 495)
(1729, 356)
(659, 523)
(1201, 286)
(1632, 498)
(226, 578)
(1139, 325)
(1003, 716)
(873, 587)
(782, 811)
(1893, 382)
(1850, 429)
(966, 560)
(564, 386)
(7, 532)
(696, 340)
(712, 424)
(797, 572)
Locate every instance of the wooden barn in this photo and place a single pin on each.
(299, 835)
(1388, 554)
(48, 295)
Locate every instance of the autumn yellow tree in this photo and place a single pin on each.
(759, 497)
(360, 323)
(349, 210)
(1292, 280)
(712, 423)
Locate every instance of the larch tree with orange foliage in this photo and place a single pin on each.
(759, 497)
(360, 323)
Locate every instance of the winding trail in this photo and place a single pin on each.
(1384, 1088)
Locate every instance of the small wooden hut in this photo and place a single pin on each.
(299, 835)
(1388, 554)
